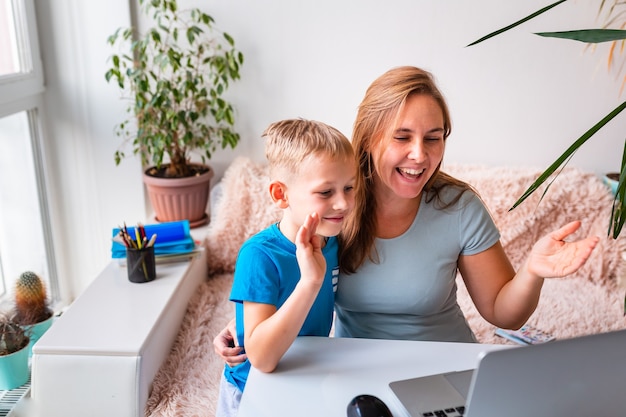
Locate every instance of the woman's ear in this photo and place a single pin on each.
(278, 192)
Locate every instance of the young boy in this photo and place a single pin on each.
(285, 276)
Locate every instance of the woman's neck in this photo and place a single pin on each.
(395, 216)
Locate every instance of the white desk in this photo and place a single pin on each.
(319, 376)
(99, 357)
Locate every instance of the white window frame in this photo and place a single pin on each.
(30, 82)
(23, 92)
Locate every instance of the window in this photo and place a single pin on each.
(25, 230)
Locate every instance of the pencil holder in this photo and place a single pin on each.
(141, 264)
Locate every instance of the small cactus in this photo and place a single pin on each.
(31, 299)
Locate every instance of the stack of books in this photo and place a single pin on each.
(173, 241)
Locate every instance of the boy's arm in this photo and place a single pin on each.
(270, 332)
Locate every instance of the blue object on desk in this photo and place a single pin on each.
(172, 238)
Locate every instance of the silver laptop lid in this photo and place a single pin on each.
(581, 376)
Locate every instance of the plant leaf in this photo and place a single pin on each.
(588, 35)
(519, 22)
(562, 160)
(618, 212)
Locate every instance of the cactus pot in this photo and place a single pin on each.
(14, 369)
(611, 179)
(176, 199)
(35, 331)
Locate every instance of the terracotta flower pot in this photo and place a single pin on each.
(175, 199)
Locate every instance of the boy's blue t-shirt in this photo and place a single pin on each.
(267, 272)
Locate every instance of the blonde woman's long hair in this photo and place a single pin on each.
(374, 123)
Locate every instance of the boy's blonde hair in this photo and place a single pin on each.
(289, 142)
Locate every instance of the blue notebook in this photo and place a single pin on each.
(172, 238)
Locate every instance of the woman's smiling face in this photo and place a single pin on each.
(406, 161)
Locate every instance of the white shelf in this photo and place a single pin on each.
(100, 357)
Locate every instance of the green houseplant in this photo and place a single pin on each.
(617, 19)
(175, 76)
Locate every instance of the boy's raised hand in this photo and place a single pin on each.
(309, 251)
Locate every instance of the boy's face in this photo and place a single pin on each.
(323, 186)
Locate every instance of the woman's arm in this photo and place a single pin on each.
(225, 345)
(507, 299)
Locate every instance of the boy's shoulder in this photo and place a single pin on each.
(271, 241)
(269, 233)
(268, 239)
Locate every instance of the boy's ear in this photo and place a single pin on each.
(278, 192)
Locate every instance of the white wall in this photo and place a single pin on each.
(516, 100)
(90, 194)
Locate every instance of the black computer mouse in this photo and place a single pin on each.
(366, 405)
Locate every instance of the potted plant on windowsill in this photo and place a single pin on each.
(175, 76)
(13, 354)
(31, 308)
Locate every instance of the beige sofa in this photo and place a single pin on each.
(590, 301)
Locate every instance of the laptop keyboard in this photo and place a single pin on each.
(448, 412)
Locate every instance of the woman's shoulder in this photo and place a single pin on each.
(448, 192)
(446, 180)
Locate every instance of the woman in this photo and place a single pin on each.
(414, 226)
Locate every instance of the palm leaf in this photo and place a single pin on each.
(618, 213)
(564, 158)
(588, 35)
(519, 22)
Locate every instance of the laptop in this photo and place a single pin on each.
(583, 376)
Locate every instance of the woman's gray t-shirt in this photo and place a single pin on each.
(411, 293)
